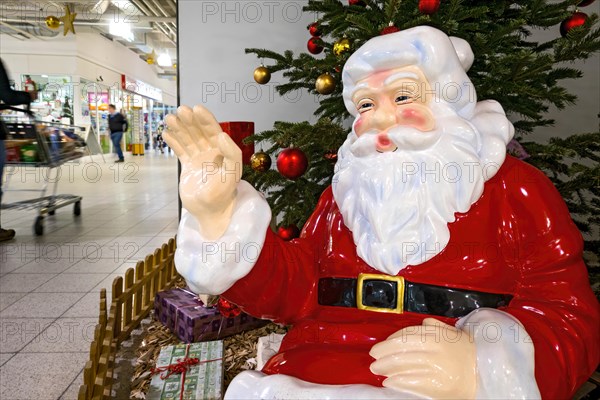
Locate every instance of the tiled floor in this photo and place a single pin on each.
(49, 285)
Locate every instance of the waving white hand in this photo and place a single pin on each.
(211, 167)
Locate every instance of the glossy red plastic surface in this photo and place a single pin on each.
(518, 238)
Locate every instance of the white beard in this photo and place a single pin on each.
(398, 204)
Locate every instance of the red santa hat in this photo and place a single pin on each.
(444, 61)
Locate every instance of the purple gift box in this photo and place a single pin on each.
(516, 149)
(185, 315)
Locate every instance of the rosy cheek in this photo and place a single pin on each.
(417, 118)
(358, 124)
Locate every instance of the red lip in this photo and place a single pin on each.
(383, 140)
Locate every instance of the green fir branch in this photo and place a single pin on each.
(527, 76)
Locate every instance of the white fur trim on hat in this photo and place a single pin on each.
(442, 59)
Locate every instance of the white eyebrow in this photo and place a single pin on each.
(390, 79)
(363, 85)
(358, 87)
(401, 75)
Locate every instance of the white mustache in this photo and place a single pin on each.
(406, 138)
(364, 145)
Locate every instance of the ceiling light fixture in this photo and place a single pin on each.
(121, 29)
(164, 60)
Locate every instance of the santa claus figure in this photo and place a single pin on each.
(435, 266)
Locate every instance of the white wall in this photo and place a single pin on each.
(55, 56)
(215, 71)
(100, 56)
(86, 55)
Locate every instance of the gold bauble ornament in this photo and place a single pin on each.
(52, 22)
(341, 47)
(262, 75)
(325, 83)
(260, 162)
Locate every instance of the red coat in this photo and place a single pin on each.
(518, 239)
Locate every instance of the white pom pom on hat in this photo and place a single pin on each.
(463, 51)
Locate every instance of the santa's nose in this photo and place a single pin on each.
(383, 118)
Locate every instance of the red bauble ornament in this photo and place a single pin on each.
(288, 233)
(585, 3)
(292, 163)
(428, 6)
(389, 29)
(313, 46)
(314, 29)
(356, 2)
(227, 309)
(574, 21)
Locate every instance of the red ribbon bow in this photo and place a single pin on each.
(180, 367)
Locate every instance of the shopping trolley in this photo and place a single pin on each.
(34, 143)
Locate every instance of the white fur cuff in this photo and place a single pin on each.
(212, 267)
(505, 355)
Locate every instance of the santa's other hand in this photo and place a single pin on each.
(433, 359)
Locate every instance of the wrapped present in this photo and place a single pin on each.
(13, 154)
(267, 347)
(187, 317)
(516, 149)
(29, 153)
(189, 371)
(238, 131)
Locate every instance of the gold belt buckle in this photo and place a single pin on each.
(399, 292)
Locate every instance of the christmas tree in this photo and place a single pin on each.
(67, 111)
(524, 75)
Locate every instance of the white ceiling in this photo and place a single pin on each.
(151, 22)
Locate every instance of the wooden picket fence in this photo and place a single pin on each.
(132, 300)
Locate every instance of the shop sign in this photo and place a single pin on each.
(99, 101)
(141, 88)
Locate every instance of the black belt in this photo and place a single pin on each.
(384, 293)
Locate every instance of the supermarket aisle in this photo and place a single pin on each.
(49, 285)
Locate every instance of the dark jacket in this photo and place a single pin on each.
(9, 96)
(117, 123)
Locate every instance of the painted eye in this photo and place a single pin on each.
(366, 106)
(403, 99)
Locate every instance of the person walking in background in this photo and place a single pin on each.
(117, 124)
(160, 144)
(10, 97)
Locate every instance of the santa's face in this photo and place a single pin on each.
(409, 165)
(392, 98)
